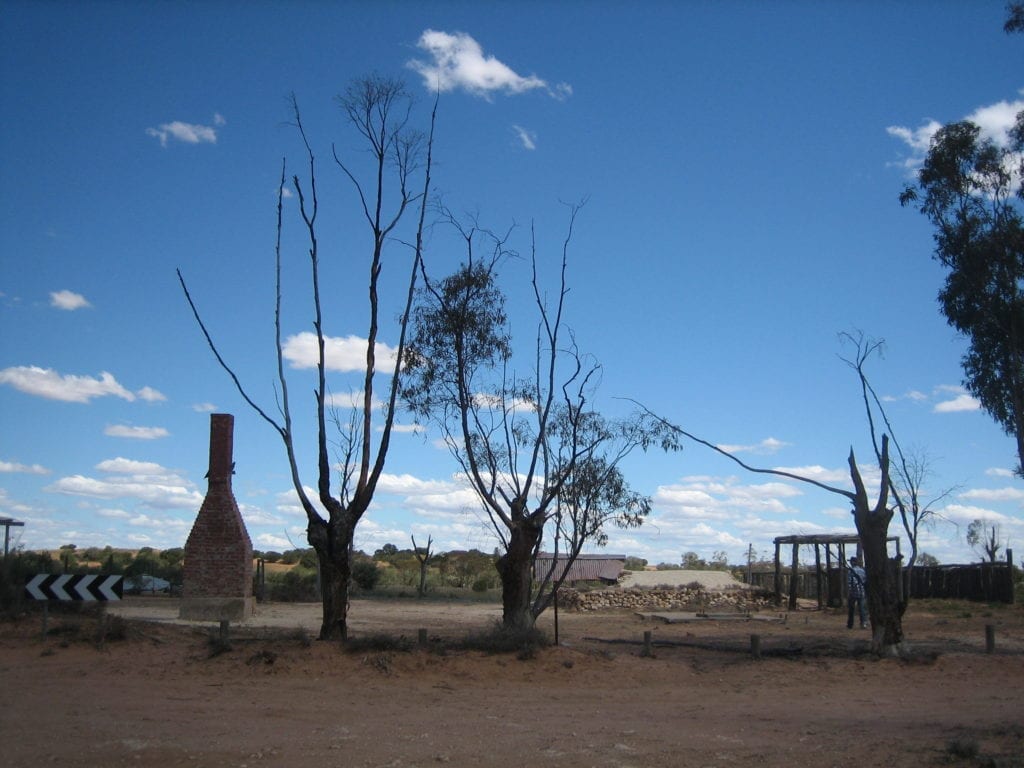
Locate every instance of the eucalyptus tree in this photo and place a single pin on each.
(970, 189)
(390, 192)
(533, 448)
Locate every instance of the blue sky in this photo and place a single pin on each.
(741, 161)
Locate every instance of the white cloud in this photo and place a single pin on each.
(998, 472)
(527, 138)
(160, 523)
(352, 400)
(458, 61)
(994, 120)
(994, 494)
(702, 498)
(27, 469)
(188, 133)
(997, 120)
(912, 394)
(407, 428)
(218, 119)
(115, 514)
(270, 543)
(135, 433)
(767, 446)
(966, 513)
(45, 382)
(68, 300)
(151, 395)
(258, 516)
(819, 473)
(918, 139)
(340, 354)
(204, 408)
(147, 482)
(962, 402)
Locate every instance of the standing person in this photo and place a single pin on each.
(856, 582)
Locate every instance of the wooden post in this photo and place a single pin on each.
(422, 638)
(778, 573)
(793, 575)
(647, 644)
(817, 575)
(755, 646)
(224, 624)
(990, 638)
(829, 597)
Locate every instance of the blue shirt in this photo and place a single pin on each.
(855, 580)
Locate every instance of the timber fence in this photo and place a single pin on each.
(983, 582)
(987, 582)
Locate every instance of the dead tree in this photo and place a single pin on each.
(423, 557)
(872, 523)
(909, 471)
(378, 110)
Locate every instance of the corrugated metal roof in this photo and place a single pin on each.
(584, 568)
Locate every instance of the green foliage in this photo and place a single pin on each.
(693, 562)
(483, 583)
(984, 539)
(297, 585)
(635, 564)
(15, 571)
(365, 574)
(459, 328)
(926, 560)
(968, 190)
(385, 552)
(68, 557)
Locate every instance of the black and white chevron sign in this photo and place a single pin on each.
(48, 586)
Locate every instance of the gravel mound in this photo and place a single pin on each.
(720, 580)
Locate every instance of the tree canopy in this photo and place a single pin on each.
(969, 188)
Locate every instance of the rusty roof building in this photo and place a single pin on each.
(606, 568)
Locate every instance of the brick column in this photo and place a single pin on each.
(218, 553)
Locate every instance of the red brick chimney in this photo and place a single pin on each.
(218, 553)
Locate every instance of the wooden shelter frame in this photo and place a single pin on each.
(818, 540)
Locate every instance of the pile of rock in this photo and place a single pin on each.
(684, 598)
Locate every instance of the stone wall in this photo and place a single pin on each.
(665, 599)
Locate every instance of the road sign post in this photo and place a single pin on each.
(67, 587)
(74, 587)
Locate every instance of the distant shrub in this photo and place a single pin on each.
(501, 639)
(295, 586)
(365, 575)
(482, 583)
(15, 572)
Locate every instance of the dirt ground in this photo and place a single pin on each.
(156, 694)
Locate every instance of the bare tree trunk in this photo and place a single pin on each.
(333, 546)
(883, 588)
(515, 567)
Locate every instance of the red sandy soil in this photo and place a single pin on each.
(156, 694)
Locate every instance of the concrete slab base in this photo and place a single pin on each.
(217, 608)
